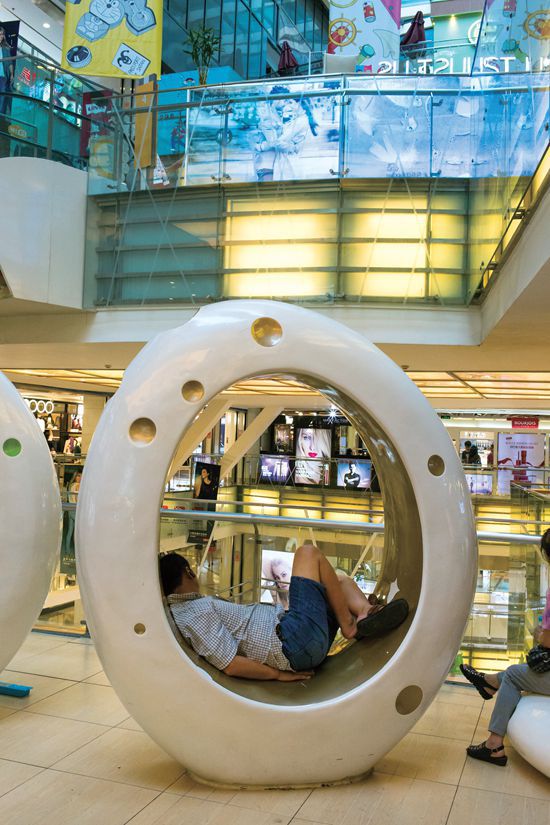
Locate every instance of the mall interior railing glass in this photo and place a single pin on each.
(247, 557)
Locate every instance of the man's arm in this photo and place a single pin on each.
(249, 669)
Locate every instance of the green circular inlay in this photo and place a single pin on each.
(11, 447)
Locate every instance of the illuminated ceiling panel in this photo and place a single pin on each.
(499, 385)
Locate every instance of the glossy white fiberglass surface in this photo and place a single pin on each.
(217, 734)
(30, 519)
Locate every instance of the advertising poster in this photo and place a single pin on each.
(276, 575)
(479, 484)
(205, 489)
(519, 454)
(354, 474)
(274, 469)
(97, 106)
(113, 38)
(516, 32)
(282, 435)
(366, 28)
(313, 451)
(288, 133)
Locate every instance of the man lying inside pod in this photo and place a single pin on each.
(260, 641)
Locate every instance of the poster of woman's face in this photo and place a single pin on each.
(276, 575)
(207, 479)
(312, 444)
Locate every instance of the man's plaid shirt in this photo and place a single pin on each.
(219, 630)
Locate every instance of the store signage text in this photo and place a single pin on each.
(452, 65)
(525, 422)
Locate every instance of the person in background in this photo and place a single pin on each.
(490, 456)
(508, 685)
(466, 452)
(6, 71)
(474, 457)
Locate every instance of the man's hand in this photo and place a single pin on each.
(290, 676)
(245, 668)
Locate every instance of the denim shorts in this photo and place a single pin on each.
(308, 628)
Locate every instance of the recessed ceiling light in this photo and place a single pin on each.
(46, 25)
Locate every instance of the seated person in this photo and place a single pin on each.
(260, 641)
(508, 685)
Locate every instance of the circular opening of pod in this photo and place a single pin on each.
(142, 431)
(436, 465)
(11, 447)
(193, 391)
(267, 332)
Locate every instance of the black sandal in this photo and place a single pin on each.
(483, 753)
(382, 618)
(478, 680)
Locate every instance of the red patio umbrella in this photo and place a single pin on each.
(287, 61)
(413, 42)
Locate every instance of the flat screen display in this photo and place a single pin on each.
(274, 469)
(480, 484)
(354, 474)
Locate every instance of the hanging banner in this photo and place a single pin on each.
(113, 38)
(368, 29)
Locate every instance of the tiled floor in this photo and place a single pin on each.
(71, 755)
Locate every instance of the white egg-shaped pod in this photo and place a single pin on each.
(30, 519)
(361, 702)
(529, 731)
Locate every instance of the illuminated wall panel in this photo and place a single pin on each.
(278, 284)
(386, 285)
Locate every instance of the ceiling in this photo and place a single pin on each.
(504, 388)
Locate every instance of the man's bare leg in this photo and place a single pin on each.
(347, 602)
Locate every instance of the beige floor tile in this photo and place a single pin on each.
(379, 800)
(286, 803)
(124, 756)
(130, 724)
(169, 809)
(42, 686)
(517, 778)
(472, 805)
(43, 740)
(426, 757)
(68, 661)
(34, 644)
(186, 786)
(98, 679)
(85, 702)
(449, 721)
(6, 712)
(13, 774)
(53, 798)
(464, 696)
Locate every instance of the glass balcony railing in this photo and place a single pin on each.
(243, 551)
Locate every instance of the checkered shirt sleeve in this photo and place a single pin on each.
(201, 627)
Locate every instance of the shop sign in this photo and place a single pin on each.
(524, 422)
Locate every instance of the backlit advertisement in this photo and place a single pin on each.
(519, 454)
(354, 474)
(313, 451)
(479, 484)
(274, 469)
(276, 575)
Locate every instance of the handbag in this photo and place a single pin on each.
(538, 659)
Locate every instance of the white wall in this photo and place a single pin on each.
(42, 229)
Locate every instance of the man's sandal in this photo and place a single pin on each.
(483, 753)
(382, 618)
(478, 680)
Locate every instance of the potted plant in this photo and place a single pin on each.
(202, 42)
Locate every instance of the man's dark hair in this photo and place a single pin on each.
(545, 546)
(172, 568)
(467, 444)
